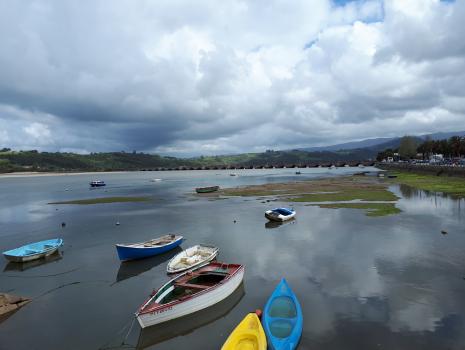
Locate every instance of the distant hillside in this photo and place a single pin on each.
(350, 145)
(381, 143)
(11, 161)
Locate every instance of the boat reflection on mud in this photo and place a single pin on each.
(23, 266)
(276, 224)
(185, 325)
(134, 268)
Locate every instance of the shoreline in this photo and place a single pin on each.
(38, 174)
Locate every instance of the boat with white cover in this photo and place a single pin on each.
(191, 291)
(192, 257)
(280, 214)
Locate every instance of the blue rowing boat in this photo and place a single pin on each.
(148, 248)
(282, 318)
(33, 251)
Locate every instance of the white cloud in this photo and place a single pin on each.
(230, 77)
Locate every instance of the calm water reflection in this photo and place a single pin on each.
(364, 283)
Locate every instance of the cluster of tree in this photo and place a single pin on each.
(410, 147)
(454, 147)
(33, 160)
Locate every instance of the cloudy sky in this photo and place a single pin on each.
(211, 77)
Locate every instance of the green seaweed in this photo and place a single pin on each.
(454, 186)
(371, 209)
(104, 200)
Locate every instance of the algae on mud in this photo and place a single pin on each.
(104, 200)
(369, 193)
(371, 209)
(455, 186)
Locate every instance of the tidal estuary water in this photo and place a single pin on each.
(391, 282)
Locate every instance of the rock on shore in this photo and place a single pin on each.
(10, 304)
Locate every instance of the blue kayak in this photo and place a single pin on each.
(34, 251)
(282, 318)
(148, 248)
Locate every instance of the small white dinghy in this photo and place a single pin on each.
(280, 214)
(192, 257)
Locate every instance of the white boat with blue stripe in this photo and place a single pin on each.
(34, 251)
(280, 214)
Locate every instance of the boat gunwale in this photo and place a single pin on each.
(294, 321)
(137, 245)
(210, 258)
(182, 300)
(59, 243)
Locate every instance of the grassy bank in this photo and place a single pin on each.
(371, 209)
(104, 200)
(454, 186)
(371, 195)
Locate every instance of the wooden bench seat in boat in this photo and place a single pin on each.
(189, 285)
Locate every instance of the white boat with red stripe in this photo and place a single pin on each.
(191, 291)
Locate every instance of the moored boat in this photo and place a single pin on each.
(148, 248)
(190, 291)
(192, 257)
(282, 318)
(97, 183)
(280, 214)
(207, 189)
(34, 251)
(248, 334)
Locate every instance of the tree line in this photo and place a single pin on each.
(411, 147)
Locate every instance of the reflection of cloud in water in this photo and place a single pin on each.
(344, 266)
(27, 212)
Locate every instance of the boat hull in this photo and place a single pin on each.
(198, 302)
(291, 340)
(14, 256)
(171, 269)
(126, 253)
(207, 189)
(279, 218)
(249, 334)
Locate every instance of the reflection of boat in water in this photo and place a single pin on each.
(275, 224)
(16, 266)
(130, 269)
(175, 328)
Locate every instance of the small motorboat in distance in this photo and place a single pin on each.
(148, 248)
(192, 257)
(207, 189)
(280, 214)
(34, 251)
(248, 334)
(190, 291)
(282, 318)
(97, 183)
(298, 173)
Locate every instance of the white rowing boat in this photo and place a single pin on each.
(192, 257)
(191, 291)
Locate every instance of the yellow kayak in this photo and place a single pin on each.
(248, 335)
